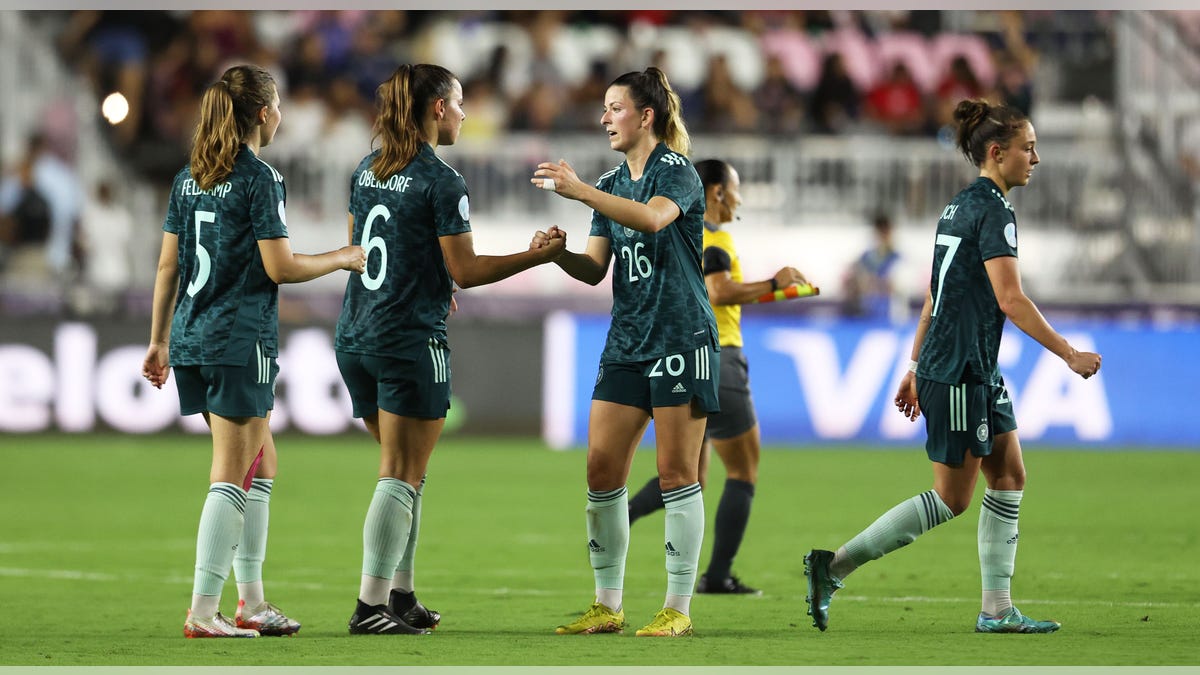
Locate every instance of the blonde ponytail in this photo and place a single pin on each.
(402, 100)
(228, 113)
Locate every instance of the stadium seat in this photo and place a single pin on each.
(800, 56)
(742, 52)
(946, 46)
(914, 51)
(857, 53)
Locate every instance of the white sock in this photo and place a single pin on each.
(248, 561)
(374, 590)
(684, 534)
(610, 598)
(385, 534)
(205, 606)
(402, 581)
(251, 593)
(997, 536)
(608, 542)
(679, 603)
(995, 603)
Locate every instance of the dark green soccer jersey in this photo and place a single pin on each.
(404, 296)
(226, 302)
(963, 338)
(660, 303)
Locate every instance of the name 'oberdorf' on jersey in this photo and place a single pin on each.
(401, 301)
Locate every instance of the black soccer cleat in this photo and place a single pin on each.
(730, 585)
(379, 620)
(407, 607)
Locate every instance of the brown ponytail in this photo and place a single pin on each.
(228, 113)
(402, 100)
(650, 89)
(980, 124)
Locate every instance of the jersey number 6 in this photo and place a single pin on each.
(369, 243)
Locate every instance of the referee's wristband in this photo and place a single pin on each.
(912, 366)
(774, 284)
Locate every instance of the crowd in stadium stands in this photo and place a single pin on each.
(775, 72)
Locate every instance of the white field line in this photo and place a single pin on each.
(82, 575)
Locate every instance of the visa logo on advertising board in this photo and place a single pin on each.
(817, 381)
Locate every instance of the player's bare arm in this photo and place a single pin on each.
(470, 269)
(1004, 274)
(286, 267)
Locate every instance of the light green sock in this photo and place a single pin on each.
(402, 580)
(385, 534)
(899, 527)
(608, 537)
(218, 537)
(684, 536)
(247, 564)
(998, 547)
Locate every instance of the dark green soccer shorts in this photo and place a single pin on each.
(660, 383)
(228, 391)
(962, 417)
(416, 384)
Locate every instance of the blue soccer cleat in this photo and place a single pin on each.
(821, 586)
(1013, 621)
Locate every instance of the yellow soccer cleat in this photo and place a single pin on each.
(598, 619)
(667, 623)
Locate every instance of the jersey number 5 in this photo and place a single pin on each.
(203, 261)
(951, 243)
(369, 243)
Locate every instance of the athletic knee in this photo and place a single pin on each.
(603, 478)
(673, 480)
(957, 503)
(744, 474)
(1008, 480)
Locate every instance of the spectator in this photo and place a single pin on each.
(42, 174)
(105, 236)
(781, 103)
(489, 112)
(582, 112)
(834, 104)
(348, 126)
(727, 109)
(24, 226)
(1189, 150)
(1013, 86)
(896, 104)
(868, 282)
(957, 84)
(540, 109)
(114, 49)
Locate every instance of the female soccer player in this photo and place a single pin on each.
(225, 237)
(954, 379)
(661, 356)
(409, 210)
(733, 431)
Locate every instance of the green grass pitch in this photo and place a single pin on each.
(97, 544)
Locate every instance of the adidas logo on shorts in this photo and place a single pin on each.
(679, 388)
